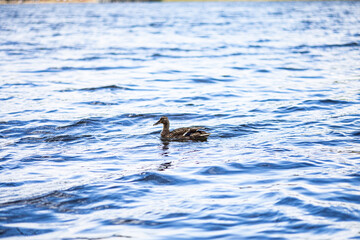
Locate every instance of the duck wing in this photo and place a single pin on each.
(193, 133)
(199, 136)
(183, 132)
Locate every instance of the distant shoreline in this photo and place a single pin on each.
(114, 1)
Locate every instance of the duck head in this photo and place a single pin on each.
(164, 120)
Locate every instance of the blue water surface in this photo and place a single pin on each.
(277, 84)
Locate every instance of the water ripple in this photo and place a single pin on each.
(81, 86)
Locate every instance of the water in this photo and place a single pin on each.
(276, 84)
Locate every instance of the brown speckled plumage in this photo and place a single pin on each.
(186, 133)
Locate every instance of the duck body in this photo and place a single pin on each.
(185, 133)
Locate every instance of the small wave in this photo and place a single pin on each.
(160, 55)
(356, 133)
(63, 69)
(38, 199)
(91, 89)
(339, 142)
(216, 170)
(16, 129)
(82, 122)
(263, 71)
(173, 116)
(201, 98)
(340, 45)
(50, 139)
(142, 116)
(159, 179)
(327, 102)
(228, 131)
(16, 43)
(240, 68)
(311, 77)
(312, 105)
(350, 44)
(292, 69)
(7, 232)
(241, 168)
(272, 100)
(11, 184)
(42, 158)
(171, 71)
(6, 98)
(269, 166)
(338, 213)
(94, 58)
(346, 198)
(30, 84)
(290, 109)
(131, 221)
(211, 80)
(234, 131)
(290, 201)
(66, 138)
(99, 103)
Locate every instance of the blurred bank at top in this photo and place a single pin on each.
(111, 1)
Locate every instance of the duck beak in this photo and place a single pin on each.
(158, 122)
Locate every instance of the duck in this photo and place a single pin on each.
(185, 133)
